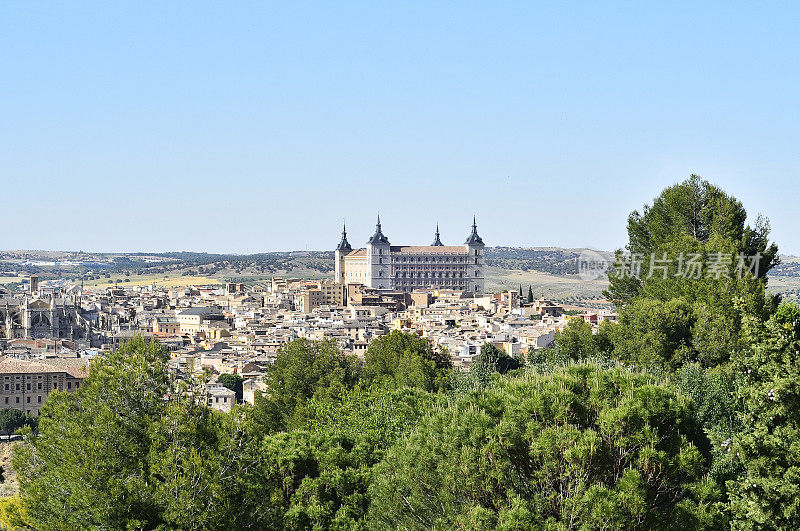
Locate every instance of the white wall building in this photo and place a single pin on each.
(381, 265)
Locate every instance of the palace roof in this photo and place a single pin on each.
(415, 249)
(429, 249)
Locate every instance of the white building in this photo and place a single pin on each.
(381, 265)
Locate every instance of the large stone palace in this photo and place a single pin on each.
(381, 265)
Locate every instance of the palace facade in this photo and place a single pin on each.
(381, 265)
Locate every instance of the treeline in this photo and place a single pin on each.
(682, 416)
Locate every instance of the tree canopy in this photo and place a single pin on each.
(303, 370)
(768, 493)
(400, 359)
(131, 448)
(693, 267)
(581, 448)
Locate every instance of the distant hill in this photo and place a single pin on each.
(550, 271)
(551, 260)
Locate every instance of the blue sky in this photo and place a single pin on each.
(250, 127)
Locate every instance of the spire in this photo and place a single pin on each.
(378, 237)
(344, 245)
(474, 239)
(437, 242)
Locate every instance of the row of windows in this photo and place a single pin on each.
(216, 400)
(425, 275)
(27, 400)
(428, 267)
(422, 259)
(412, 283)
(28, 386)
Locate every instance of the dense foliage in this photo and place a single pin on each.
(768, 493)
(693, 307)
(405, 360)
(303, 370)
(13, 419)
(583, 447)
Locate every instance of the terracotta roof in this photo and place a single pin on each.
(416, 249)
(75, 367)
(15, 366)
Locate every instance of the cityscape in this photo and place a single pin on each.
(363, 266)
(52, 331)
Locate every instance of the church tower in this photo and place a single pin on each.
(341, 251)
(379, 260)
(476, 261)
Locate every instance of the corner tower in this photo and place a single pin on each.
(476, 261)
(342, 250)
(379, 260)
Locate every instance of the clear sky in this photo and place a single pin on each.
(251, 127)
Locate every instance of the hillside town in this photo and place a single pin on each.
(50, 333)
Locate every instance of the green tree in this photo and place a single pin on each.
(713, 390)
(581, 448)
(575, 341)
(303, 369)
(493, 359)
(303, 480)
(400, 359)
(379, 416)
(12, 513)
(93, 445)
(133, 449)
(767, 496)
(693, 216)
(530, 294)
(13, 419)
(653, 333)
(233, 382)
(694, 220)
